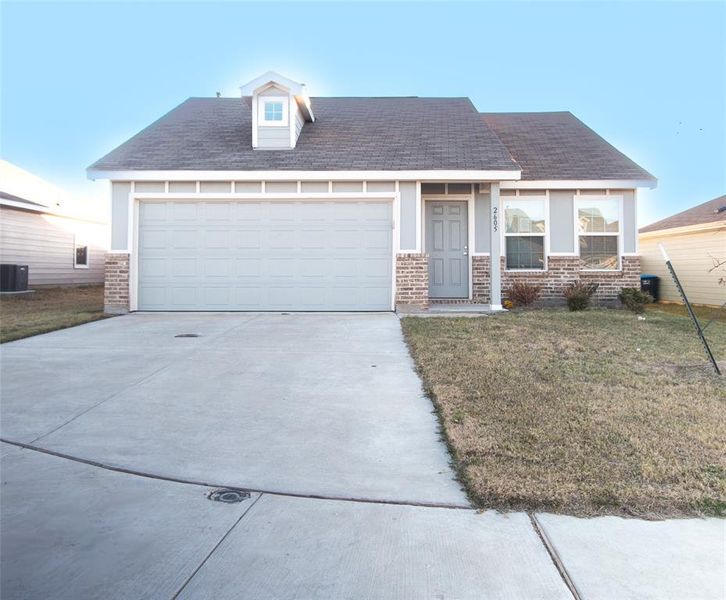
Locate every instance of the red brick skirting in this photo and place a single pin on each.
(412, 279)
(116, 285)
(561, 272)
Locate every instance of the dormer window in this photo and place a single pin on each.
(273, 111)
(280, 109)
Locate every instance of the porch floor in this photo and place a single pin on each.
(447, 310)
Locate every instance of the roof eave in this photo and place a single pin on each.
(583, 184)
(475, 175)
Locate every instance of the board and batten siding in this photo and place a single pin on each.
(45, 243)
(691, 256)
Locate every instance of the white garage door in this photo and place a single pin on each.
(271, 255)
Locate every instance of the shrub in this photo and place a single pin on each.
(578, 295)
(523, 294)
(635, 299)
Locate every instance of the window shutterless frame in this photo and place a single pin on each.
(544, 199)
(273, 107)
(80, 250)
(581, 201)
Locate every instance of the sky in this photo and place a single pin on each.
(77, 79)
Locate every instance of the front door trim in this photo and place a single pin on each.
(468, 199)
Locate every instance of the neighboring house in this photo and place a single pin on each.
(695, 241)
(277, 201)
(62, 241)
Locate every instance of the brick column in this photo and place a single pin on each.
(412, 279)
(481, 282)
(116, 284)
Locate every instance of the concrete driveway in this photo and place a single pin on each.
(308, 404)
(115, 433)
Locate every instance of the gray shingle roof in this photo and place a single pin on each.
(557, 145)
(384, 134)
(708, 212)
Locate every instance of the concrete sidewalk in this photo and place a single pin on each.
(72, 530)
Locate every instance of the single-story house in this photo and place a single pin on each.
(278, 201)
(695, 241)
(61, 239)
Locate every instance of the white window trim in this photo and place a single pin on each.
(619, 234)
(77, 245)
(282, 100)
(545, 199)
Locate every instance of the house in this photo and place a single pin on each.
(695, 241)
(61, 239)
(278, 201)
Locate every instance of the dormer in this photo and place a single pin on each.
(280, 108)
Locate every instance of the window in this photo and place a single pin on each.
(598, 222)
(273, 111)
(80, 254)
(524, 233)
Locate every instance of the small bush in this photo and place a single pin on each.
(523, 294)
(635, 299)
(578, 295)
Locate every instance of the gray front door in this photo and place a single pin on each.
(448, 247)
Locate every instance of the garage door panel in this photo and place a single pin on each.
(217, 212)
(153, 212)
(153, 239)
(248, 238)
(217, 239)
(184, 267)
(274, 255)
(184, 239)
(183, 211)
(250, 212)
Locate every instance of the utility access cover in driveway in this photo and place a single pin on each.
(257, 401)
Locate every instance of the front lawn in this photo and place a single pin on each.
(586, 413)
(48, 309)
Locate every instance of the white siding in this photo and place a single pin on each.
(45, 244)
(690, 255)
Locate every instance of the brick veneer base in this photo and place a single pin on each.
(412, 279)
(561, 272)
(116, 284)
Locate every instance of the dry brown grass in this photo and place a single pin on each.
(584, 413)
(48, 309)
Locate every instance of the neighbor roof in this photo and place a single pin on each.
(708, 212)
(382, 134)
(558, 146)
(19, 200)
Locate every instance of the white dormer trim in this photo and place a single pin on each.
(264, 80)
(295, 89)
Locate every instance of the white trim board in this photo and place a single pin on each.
(574, 184)
(423, 175)
(191, 196)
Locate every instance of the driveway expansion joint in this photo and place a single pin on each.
(217, 545)
(554, 556)
(287, 494)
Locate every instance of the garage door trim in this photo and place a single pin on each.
(134, 223)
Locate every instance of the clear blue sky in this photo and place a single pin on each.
(80, 78)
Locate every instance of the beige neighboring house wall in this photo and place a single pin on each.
(692, 251)
(41, 226)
